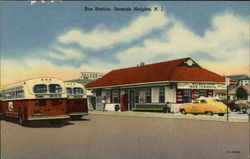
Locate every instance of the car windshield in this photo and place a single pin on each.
(55, 88)
(216, 100)
(203, 102)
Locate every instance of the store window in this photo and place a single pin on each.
(148, 95)
(187, 96)
(137, 91)
(98, 92)
(162, 95)
(115, 96)
(203, 93)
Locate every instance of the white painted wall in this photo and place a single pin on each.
(170, 94)
(122, 92)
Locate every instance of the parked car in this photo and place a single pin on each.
(243, 105)
(208, 106)
(240, 105)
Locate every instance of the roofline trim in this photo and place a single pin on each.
(152, 83)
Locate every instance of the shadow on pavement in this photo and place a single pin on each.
(79, 119)
(43, 123)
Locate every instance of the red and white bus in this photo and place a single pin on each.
(76, 100)
(35, 99)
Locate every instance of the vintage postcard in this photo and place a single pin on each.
(124, 79)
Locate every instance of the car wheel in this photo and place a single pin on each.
(183, 112)
(209, 114)
(221, 114)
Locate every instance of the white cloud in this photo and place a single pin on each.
(101, 37)
(41, 68)
(66, 54)
(228, 40)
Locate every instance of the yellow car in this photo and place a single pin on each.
(208, 106)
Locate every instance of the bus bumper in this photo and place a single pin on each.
(78, 114)
(49, 117)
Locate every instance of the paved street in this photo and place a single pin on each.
(126, 137)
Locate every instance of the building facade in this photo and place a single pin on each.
(241, 79)
(175, 82)
(232, 93)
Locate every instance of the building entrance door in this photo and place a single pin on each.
(124, 102)
(93, 102)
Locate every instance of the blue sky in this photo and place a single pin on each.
(61, 39)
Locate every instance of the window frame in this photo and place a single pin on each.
(148, 95)
(44, 89)
(76, 92)
(57, 90)
(162, 94)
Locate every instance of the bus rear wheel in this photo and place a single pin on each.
(77, 117)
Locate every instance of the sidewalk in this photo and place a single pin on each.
(168, 115)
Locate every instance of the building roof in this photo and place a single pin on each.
(168, 71)
(238, 77)
(246, 87)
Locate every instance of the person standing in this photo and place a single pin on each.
(104, 103)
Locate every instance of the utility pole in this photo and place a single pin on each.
(227, 84)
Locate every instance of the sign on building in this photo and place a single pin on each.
(91, 75)
(202, 86)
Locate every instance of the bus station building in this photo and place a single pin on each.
(176, 82)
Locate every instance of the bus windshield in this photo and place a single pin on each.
(40, 88)
(55, 88)
(78, 90)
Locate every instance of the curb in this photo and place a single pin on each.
(169, 116)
